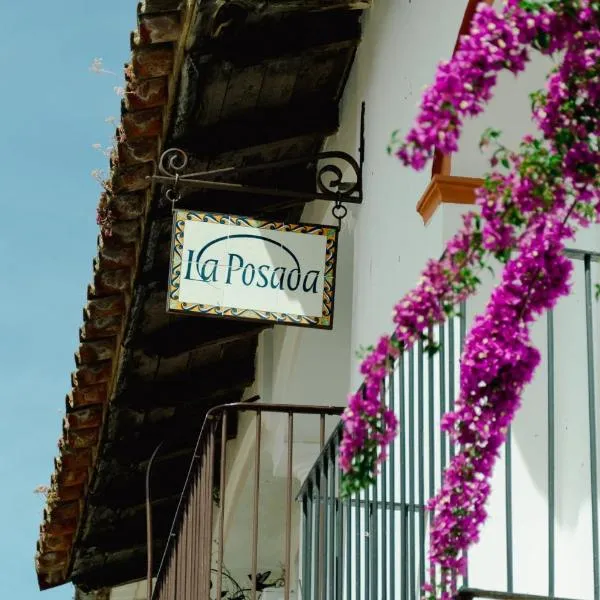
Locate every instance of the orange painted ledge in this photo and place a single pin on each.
(449, 189)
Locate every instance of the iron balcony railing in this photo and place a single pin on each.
(192, 566)
(374, 545)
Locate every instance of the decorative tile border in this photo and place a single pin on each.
(180, 217)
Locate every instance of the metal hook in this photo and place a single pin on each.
(339, 211)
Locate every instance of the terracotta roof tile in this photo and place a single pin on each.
(87, 396)
(151, 62)
(124, 205)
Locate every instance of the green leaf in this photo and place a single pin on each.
(363, 351)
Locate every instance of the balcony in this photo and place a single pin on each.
(246, 528)
(374, 546)
(234, 538)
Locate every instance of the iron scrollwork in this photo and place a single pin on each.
(331, 168)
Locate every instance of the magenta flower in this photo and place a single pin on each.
(527, 212)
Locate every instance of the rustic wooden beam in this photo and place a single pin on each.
(239, 37)
(94, 570)
(262, 125)
(188, 333)
(114, 530)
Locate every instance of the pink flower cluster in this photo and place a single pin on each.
(526, 216)
(498, 361)
(367, 419)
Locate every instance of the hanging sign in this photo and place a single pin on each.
(242, 268)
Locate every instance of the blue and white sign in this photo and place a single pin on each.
(238, 267)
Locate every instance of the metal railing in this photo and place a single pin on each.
(192, 566)
(374, 545)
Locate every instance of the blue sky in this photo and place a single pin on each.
(52, 110)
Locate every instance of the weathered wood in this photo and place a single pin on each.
(185, 334)
(263, 126)
(243, 90)
(255, 86)
(94, 570)
(211, 96)
(115, 530)
(279, 82)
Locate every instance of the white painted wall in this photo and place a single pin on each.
(381, 254)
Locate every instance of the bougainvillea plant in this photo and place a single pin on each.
(532, 202)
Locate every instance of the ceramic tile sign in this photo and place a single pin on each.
(242, 268)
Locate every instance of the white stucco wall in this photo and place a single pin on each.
(383, 248)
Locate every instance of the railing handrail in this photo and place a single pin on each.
(326, 449)
(581, 254)
(249, 405)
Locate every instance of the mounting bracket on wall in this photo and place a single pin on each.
(331, 166)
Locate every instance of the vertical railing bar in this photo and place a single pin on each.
(288, 506)
(204, 494)
(200, 541)
(321, 515)
(209, 509)
(332, 521)
(306, 545)
(223, 487)
(339, 538)
(461, 345)
(349, 561)
(443, 450)
(403, 512)
(307, 586)
(463, 325)
(392, 490)
(324, 501)
(430, 389)
(202, 462)
(592, 424)
(358, 542)
(551, 456)
(256, 502)
(196, 528)
(185, 536)
(174, 570)
(318, 537)
(431, 419)
(194, 546)
(411, 463)
(332, 549)
(508, 508)
(389, 394)
(373, 530)
(367, 542)
(373, 539)
(451, 374)
(182, 559)
(185, 540)
(421, 461)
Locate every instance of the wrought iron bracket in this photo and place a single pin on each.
(330, 183)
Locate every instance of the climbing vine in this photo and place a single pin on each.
(532, 202)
